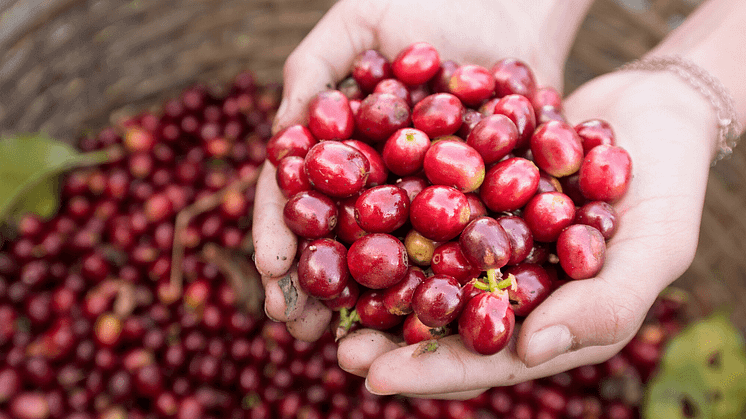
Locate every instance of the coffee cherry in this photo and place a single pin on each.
(382, 209)
(454, 163)
(369, 68)
(439, 212)
(581, 250)
(485, 244)
(416, 64)
(404, 152)
(557, 149)
(509, 184)
(335, 169)
(294, 140)
(373, 312)
(513, 76)
(380, 115)
(322, 268)
(310, 214)
(605, 173)
(438, 115)
(487, 322)
(330, 117)
(438, 300)
(377, 260)
(398, 297)
(548, 214)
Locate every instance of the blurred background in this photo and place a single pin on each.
(70, 68)
(72, 65)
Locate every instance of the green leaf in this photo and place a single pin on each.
(703, 371)
(24, 159)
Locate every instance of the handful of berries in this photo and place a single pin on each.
(445, 197)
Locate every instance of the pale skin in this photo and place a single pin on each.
(668, 128)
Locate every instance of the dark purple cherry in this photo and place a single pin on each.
(485, 244)
(598, 214)
(438, 300)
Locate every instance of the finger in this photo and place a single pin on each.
(451, 368)
(323, 58)
(274, 244)
(284, 299)
(357, 351)
(312, 322)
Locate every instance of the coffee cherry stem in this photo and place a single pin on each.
(495, 282)
(348, 318)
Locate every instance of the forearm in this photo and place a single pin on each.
(713, 37)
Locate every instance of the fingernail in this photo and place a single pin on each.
(266, 313)
(547, 344)
(372, 390)
(355, 371)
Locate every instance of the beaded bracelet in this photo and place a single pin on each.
(697, 77)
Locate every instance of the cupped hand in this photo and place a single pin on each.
(477, 32)
(669, 131)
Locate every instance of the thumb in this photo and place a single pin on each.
(606, 311)
(322, 59)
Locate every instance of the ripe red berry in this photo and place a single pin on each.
(416, 64)
(454, 163)
(438, 114)
(439, 212)
(487, 322)
(605, 173)
(335, 169)
(330, 116)
(377, 260)
(581, 250)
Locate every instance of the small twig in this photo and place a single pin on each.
(241, 274)
(186, 215)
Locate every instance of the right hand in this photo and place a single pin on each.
(478, 32)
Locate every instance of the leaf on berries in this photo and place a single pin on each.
(27, 165)
(702, 373)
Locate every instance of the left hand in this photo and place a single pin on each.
(669, 130)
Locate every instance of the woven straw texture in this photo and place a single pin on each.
(69, 65)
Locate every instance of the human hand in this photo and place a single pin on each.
(669, 131)
(538, 32)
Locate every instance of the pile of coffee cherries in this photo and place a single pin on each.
(445, 197)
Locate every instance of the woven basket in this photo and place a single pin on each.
(69, 65)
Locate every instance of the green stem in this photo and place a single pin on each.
(492, 279)
(81, 160)
(505, 283)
